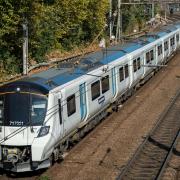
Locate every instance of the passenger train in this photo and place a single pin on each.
(42, 114)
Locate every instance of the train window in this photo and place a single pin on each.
(71, 105)
(134, 65)
(177, 37)
(166, 46)
(152, 55)
(17, 114)
(138, 63)
(147, 57)
(121, 74)
(105, 84)
(159, 50)
(95, 90)
(172, 41)
(38, 109)
(126, 71)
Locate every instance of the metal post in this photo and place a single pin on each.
(165, 11)
(153, 10)
(118, 28)
(25, 48)
(110, 19)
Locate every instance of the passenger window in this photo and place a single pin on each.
(105, 84)
(147, 57)
(172, 41)
(95, 90)
(177, 37)
(126, 71)
(71, 105)
(134, 65)
(121, 74)
(159, 50)
(138, 63)
(166, 46)
(152, 55)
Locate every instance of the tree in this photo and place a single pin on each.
(53, 24)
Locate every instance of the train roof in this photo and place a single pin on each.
(66, 72)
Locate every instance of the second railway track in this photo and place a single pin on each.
(152, 156)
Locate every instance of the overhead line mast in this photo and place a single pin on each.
(25, 47)
(119, 22)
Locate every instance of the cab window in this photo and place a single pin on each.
(38, 109)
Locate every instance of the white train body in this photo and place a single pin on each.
(41, 114)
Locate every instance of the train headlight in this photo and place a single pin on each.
(43, 131)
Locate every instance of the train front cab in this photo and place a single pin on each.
(23, 134)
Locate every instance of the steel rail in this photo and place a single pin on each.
(163, 167)
(152, 156)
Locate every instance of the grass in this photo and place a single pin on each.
(44, 178)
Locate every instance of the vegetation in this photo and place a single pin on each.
(55, 25)
(135, 20)
(44, 178)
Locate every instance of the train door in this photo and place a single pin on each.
(83, 101)
(114, 89)
(159, 53)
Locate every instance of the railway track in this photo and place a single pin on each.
(151, 158)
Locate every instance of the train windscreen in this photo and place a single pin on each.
(22, 109)
(38, 109)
